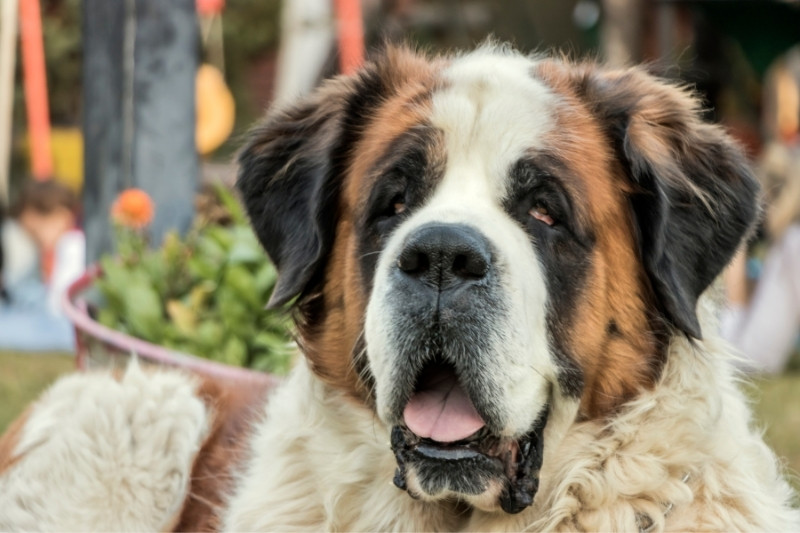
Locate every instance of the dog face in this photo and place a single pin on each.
(479, 245)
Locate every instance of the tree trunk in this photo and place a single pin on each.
(140, 62)
(621, 38)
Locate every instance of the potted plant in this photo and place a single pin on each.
(195, 302)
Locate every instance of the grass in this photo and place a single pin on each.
(23, 376)
(777, 407)
(776, 400)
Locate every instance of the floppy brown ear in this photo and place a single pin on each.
(695, 197)
(290, 173)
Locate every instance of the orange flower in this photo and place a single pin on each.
(210, 7)
(133, 208)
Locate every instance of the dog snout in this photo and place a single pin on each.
(445, 256)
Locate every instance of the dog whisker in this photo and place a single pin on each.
(368, 254)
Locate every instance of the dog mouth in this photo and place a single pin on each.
(448, 446)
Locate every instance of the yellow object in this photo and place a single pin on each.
(215, 109)
(66, 145)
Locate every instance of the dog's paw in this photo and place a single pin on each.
(102, 453)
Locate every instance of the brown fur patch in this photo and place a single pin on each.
(234, 407)
(611, 334)
(10, 439)
(330, 345)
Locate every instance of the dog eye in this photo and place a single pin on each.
(398, 204)
(542, 214)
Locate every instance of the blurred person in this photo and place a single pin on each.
(44, 253)
(765, 328)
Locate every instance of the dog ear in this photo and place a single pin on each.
(290, 173)
(694, 195)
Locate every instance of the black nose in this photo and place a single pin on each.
(445, 255)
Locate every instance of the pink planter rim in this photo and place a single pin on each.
(76, 310)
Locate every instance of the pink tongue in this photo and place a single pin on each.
(441, 411)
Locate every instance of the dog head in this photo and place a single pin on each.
(475, 243)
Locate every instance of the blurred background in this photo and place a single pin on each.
(119, 120)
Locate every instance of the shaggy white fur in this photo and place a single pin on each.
(101, 454)
(624, 474)
(321, 462)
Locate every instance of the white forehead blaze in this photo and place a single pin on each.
(491, 111)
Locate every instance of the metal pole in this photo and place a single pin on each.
(8, 48)
(351, 35)
(35, 78)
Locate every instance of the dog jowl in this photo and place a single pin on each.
(484, 248)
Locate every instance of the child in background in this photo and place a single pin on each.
(765, 328)
(44, 253)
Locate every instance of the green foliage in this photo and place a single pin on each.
(61, 26)
(204, 295)
(250, 28)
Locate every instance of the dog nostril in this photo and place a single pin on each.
(413, 262)
(470, 266)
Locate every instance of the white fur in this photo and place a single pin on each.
(100, 454)
(322, 462)
(491, 111)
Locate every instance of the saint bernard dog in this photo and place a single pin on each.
(501, 270)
